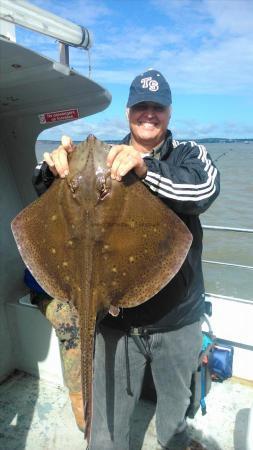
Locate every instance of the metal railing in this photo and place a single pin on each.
(32, 17)
(234, 229)
(214, 227)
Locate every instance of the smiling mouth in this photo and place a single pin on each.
(147, 125)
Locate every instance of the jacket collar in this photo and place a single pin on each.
(165, 149)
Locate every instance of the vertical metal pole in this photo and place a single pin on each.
(7, 30)
(64, 54)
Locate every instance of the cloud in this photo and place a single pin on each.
(202, 46)
(203, 49)
(238, 129)
(105, 129)
(116, 128)
(126, 46)
(220, 69)
(235, 19)
(213, 17)
(186, 129)
(112, 128)
(81, 12)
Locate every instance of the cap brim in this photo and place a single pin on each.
(148, 98)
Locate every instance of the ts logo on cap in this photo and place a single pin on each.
(149, 83)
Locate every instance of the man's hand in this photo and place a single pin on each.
(57, 160)
(123, 158)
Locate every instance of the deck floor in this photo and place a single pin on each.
(35, 414)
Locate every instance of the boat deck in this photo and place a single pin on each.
(37, 414)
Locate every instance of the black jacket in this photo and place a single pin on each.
(184, 177)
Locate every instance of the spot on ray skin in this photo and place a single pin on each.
(54, 217)
(114, 283)
(79, 289)
(131, 259)
(70, 243)
(124, 274)
(67, 278)
(65, 264)
(53, 251)
(114, 269)
(145, 235)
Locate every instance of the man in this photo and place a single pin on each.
(166, 329)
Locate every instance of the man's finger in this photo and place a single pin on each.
(118, 160)
(115, 150)
(47, 158)
(67, 143)
(60, 159)
(123, 169)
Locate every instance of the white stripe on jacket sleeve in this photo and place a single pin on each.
(183, 191)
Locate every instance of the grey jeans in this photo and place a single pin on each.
(119, 371)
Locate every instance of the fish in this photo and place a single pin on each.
(99, 243)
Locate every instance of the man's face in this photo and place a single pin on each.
(148, 122)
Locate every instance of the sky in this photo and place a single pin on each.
(202, 47)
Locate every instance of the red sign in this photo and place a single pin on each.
(58, 116)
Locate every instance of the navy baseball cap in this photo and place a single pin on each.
(150, 86)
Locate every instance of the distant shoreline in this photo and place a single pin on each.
(199, 141)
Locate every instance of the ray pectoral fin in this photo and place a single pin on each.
(34, 229)
(156, 268)
(156, 275)
(145, 251)
(45, 235)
